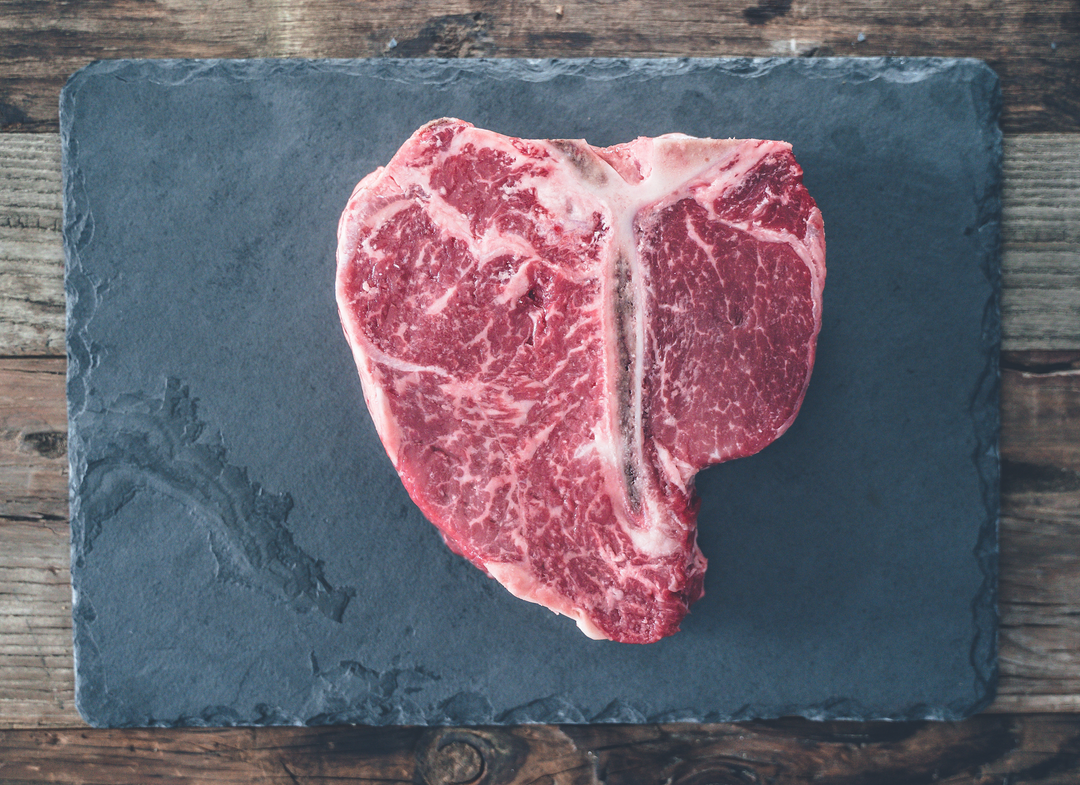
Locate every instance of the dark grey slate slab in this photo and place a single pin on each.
(242, 549)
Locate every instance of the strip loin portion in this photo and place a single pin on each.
(554, 338)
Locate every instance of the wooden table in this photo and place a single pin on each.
(1032, 731)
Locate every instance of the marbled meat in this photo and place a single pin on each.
(554, 338)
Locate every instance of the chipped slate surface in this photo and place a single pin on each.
(244, 553)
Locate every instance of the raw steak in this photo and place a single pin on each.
(554, 338)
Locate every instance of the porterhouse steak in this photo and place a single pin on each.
(553, 338)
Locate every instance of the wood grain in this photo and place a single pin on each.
(31, 246)
(1041, 427)
(1040, 543)
(987, 750)
(1040, 263)
(1041, 239)
(33, 440)
(1040, 532)
(37, 677)
(1034, 45)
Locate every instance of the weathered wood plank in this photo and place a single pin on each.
(1042, 427)
(1040, 533)
(33, 439)
(37, 679)
(1040, 545)
(1041, 239)
(1041, 228)
(36, 676)
(1034, 45)
(984, 750)
(31, 251)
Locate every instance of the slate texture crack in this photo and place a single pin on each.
(154, 445)
(352, 693)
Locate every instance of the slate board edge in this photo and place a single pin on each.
(442, 70)
(984, 651)
(82, 295)
(79, 309)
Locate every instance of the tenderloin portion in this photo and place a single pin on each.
(554, 338)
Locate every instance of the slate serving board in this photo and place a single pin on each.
(242, 550)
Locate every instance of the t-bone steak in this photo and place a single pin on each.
(553, 338)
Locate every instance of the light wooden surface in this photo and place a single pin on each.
(31, 248)
(1040, 268)
(1035, 48)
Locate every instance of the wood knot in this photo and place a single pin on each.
(451, 760)
(48, 444)
(452, 35)
(766, 10)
